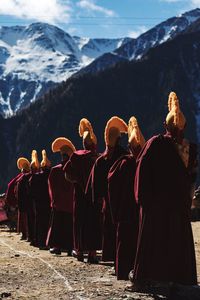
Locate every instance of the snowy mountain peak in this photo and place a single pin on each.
(192, 14)
(36, 57)
(158, 35)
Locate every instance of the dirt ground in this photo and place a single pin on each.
(29, 273)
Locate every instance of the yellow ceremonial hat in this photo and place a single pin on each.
(34, 160)
(86, 131)
(45, 161)
(63, 145)
(135, 136)
(175, 117)
(114, 127)
(23, 163)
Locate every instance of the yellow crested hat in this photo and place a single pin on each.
(63, 145)
(175, 116)
(23, 163)
(114, 127)
(34, 160)
(135, 136)
(86, 131)
(45, 161)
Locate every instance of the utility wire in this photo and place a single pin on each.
(105, 18)
(75, 21)
(97, 24)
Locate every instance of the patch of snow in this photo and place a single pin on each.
(81, 41)
(6, 103)
(86, 60)
(169, 30)
(37, 91)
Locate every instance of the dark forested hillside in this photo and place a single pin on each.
(130, 88)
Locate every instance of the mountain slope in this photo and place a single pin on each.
(94, 48)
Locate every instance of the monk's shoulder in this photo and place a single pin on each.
(152, 143)
(56, 169)
(123, 164)
(80, 155)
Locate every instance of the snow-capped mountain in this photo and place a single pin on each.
(136, 48)
(37, 57)
(159, 34)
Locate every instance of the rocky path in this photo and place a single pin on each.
(28, 273)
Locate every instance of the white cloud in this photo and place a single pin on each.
(92, 7)
(51, 11)
(135, 33)
(195, 3)
(73, 30)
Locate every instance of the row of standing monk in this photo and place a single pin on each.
(133, 204)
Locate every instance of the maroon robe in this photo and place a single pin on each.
(60, 234)
(11, 199)
(124, 210)
(39, 193)
(98, 184)
(162, 188)
(22, 195)
(86, 216)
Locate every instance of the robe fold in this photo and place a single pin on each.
(125, 213)
(98, 184)
(86, 216)
(11, 199)
(60, 233)
(24, 224)
(165, 250)
(40, 196)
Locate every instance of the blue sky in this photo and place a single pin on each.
(94, 18)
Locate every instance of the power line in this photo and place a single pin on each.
(108, 24)
(106, 18)
(75, 19)
(98, 24)
(149, 18)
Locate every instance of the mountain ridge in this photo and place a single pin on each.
(35, 58)
(136, 48)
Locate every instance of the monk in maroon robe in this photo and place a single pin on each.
(31, 212)
(15, 196)
(21, 194)
(40, 196)
(60, 235)
(98, 183)
(162, 188)
(11, 200)
(86, 216)
(124, 209)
